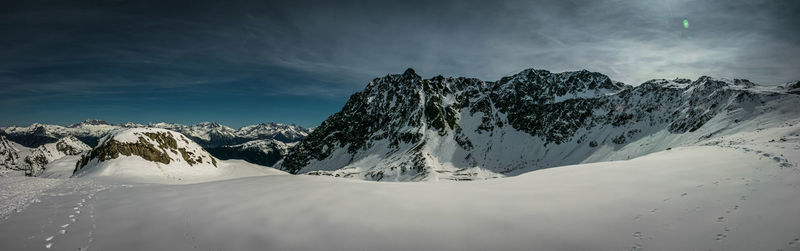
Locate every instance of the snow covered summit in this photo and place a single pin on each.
(146, 152)
(402, 127)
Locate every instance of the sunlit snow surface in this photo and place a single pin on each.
(737, 192)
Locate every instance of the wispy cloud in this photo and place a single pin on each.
(330, 49)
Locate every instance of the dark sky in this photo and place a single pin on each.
(245, 62)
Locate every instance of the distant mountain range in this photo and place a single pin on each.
(402, 127)
(33, 160)
(261, 144)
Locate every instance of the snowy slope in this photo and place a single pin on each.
(263, 151)
(32, 161)
(61, 168)
(156, 155)
(737, 192)
(405, 128)
(39, 157)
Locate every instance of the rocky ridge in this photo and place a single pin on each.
(159, 147)
(406, 128)
(210, 135)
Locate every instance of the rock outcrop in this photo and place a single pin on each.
(402, 127)
(9, 155)
(161, 149)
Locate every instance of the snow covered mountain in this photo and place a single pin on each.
(33, 160)
(145, 152)
(793, 88)
(9, 155)
(39, 157)
(210, 135)
(262, 144)
(263, 151)
(207, 134)
(39, 134)
(89, 122)
(405, 128)
(735, 192)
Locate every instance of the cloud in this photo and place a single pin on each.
(330, 49)
(632, 41)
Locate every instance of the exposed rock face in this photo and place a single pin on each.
(9, 155)
(151, 144)
(404, 127)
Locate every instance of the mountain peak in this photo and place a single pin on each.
(410, 72)
(90, 121)
(165, 152)
(209, 124)
(94, 122)
(449, 128)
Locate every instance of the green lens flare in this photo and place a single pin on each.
(686, 24)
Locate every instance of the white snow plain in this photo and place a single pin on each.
(737, 192)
